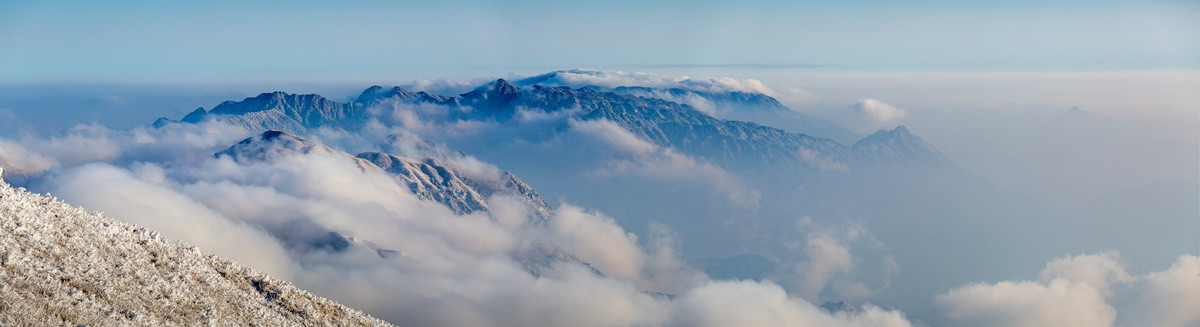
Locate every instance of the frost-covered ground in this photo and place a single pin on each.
(63, 265)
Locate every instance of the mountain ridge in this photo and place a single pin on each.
(662, 122)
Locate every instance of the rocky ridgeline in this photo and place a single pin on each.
(63, 265)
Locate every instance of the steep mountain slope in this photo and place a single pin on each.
(429, 178)
(63, 265)
(432, 179)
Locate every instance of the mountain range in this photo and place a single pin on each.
(728, 143)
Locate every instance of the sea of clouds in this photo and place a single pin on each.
(467, 269)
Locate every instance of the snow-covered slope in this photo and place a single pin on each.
(428, 178)
(432, 179)
(735, 145)
(63, 265)
(719, 102)
(284, 111)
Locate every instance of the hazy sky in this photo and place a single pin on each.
(271, 41)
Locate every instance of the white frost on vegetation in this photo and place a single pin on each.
(63, 265)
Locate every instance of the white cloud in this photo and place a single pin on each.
(1060, 302)
(827, 258)
(443, 86)
(1077, 291)
(1096, 270)
(80, 144)
(748, 303)
(665, 271)
(878, 111)
(1168, 298)
(828, 270)
(18, 159)
(120, 194)
(598, 240)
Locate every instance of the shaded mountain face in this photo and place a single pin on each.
(271, 145)
(64, 265)
(283, 111)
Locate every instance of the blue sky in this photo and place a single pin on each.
(221, 41)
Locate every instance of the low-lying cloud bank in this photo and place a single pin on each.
(1083, 290)
(358, 236)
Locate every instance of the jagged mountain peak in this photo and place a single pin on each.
(195, 116)
(271, 136)
(377, 94)
(898, 134)
(497, 90)
(503, 86)
(284, 111)
(373, 89)
(433, 179)
(271, 100)
(898, 145)
(270, 145)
